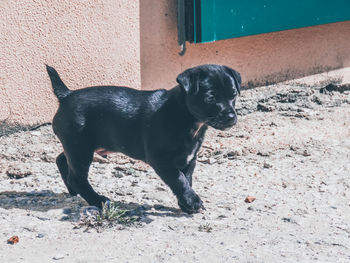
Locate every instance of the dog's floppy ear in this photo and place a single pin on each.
(184, 80)
(236, 76)
(187, 80)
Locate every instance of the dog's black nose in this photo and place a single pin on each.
(231, 118)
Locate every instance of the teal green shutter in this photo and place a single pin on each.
(222, 19)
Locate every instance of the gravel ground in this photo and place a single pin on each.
(290, 152)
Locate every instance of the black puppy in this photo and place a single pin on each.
(164, 128)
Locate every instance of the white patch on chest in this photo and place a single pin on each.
(191, 155)
(194, 133)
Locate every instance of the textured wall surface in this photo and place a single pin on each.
(261, 59)
(89, 42)
(134, 43)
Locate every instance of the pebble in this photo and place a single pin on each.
(235, 152)
(317, 100)
(265, 108)
(267, 165)
(18, 172)
(306, 153)
(289, 220)
(58, 257)
(212, 160)
(263, 153)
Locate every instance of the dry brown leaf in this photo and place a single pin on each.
(249, 199)
(13, 240)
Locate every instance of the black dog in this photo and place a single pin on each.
(164, 128)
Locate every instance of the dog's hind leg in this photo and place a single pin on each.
(62, 165)
(79, 158)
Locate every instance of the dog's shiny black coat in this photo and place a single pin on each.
(164, 128)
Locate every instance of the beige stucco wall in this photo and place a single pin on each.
(90, 42)
(261, 59)
(134, 43)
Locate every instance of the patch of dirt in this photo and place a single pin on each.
(289, 153)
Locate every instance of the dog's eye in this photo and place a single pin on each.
(209, 99)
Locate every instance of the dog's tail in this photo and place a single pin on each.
(59, 88)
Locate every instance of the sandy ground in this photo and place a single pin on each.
(290, 150)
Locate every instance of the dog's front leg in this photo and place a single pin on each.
(188, 200)
(188, 171)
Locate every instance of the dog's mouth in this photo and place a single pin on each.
(222, 125)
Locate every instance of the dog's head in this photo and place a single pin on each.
(211, 92)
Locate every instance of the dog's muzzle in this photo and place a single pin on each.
(223, 121)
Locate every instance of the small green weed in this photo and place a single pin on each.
(205, 228)
(113, 214)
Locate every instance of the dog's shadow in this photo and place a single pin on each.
(73, 207)
(42, 201)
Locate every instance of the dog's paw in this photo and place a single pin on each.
(102, 201)
(71, 191)
(190, 202)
